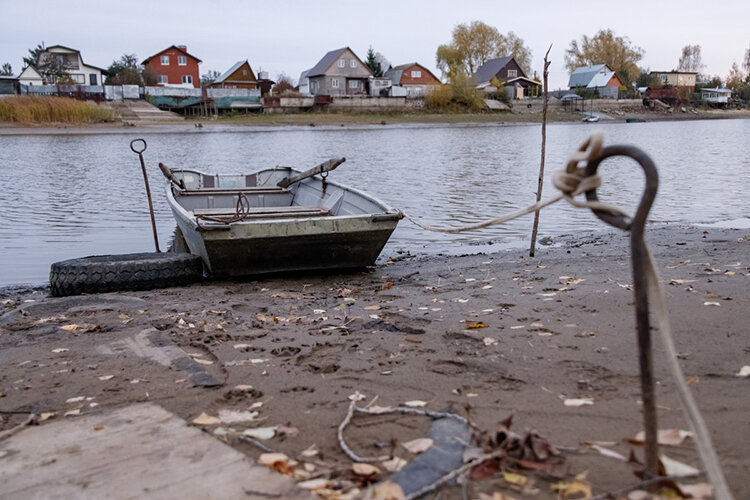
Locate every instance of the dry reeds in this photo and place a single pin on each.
(41, 109)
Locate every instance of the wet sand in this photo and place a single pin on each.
(484, 336)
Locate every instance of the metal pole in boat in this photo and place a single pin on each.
(148, 190)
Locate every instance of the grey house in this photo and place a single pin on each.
(339, 73)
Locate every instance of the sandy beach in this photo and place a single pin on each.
(483, 336)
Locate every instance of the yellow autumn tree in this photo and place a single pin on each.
(605, 47)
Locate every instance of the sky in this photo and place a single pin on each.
(290, 36)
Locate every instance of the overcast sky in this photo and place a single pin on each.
(289, 36)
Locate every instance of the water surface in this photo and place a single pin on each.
(66, 196)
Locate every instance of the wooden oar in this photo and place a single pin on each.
(326, 166)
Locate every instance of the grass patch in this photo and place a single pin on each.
(28, 110)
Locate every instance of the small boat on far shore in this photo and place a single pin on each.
(635, 120)
(277, 220)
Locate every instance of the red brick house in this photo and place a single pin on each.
(174, 66)
(414, 77)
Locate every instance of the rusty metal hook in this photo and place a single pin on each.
(148, 190)
(639, 258)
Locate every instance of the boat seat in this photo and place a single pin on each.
(264, 212)
(233, 191)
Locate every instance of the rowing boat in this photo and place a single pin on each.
(277, 220)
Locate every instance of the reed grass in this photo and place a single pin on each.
(28, 110)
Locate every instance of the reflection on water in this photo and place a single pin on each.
(69, 196)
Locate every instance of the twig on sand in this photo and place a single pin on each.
(342, 443)
(29, 421)
(256, 443)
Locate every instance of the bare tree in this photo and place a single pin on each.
(691, 59)
(7, 70)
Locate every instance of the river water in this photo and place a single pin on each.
(76, 194)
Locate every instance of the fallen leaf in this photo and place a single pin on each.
(70, 328)
(495, 496)
(579, 488)
(233, 417)
(310, 451)
(72, 413)
(698, 491)
(711, 303)
(744, 371)
(606, 452)
(314, 484)
(488, 341)
(380, 409)
(474, 326)
(385, 491)
(487, 287)
(514, 479)
(243, 387)
(665, 437)
(365, 470)
(575, 402)
(205, 419)
(241, 346)
(283, 430)
(75, 400)
(47, 415)
(203, 361)
(106, 377)
(395, 464)
(415, 404)
(59, 350)
(372, 308)
(260, 432)
(417, 446)
(278, 462)
(674, 468)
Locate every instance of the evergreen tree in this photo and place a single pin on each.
(373, 63)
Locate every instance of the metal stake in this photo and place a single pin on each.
(148, 190)
(639, 257)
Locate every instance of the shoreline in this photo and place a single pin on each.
(485, 336)
(354, 121)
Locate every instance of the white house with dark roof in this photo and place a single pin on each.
(71, 62)
(339, 72)
(599, 78)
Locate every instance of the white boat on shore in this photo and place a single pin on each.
(277, 220)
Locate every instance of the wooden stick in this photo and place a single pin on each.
(544, 144)
(326, 166)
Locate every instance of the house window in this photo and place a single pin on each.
(512, 73)
(78, 78)
(342, 63)
(182, 60)
(165, 60)
(353, 84)
(163, 79)
(92, 79)
(187, 79)
(416, 74)
(353, 63)
(335, 83)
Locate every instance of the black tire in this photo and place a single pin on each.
(114, 273)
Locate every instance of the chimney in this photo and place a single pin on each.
(183, 47)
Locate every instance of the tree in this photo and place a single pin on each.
(7, 70)
(210, 77)
(691, 59)
(746, 61)
(372, 63)
(124, 71)
(605, 48)
(284, 84)
(644, 78)
(735, 78)
(474, 44)
(51, 68)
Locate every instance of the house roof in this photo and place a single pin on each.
(171, 47)
(673, 72)
(47, 49)
(328, 60)
(395, 72)
(720, 91)
(591, 76)
(30, 68)
(231, 70)
(490, 68)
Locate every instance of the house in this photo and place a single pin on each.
(597, 79)
(239, 76)
(71, 62)
(716, 96)
(30, 76)
(173, 66)
(303, 87)
(510, 74)
(339, 72)
(675, 78)
(414, 77)
(8, 85)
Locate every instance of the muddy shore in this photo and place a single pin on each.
(484, 336)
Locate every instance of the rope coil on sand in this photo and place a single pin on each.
(571, 182)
